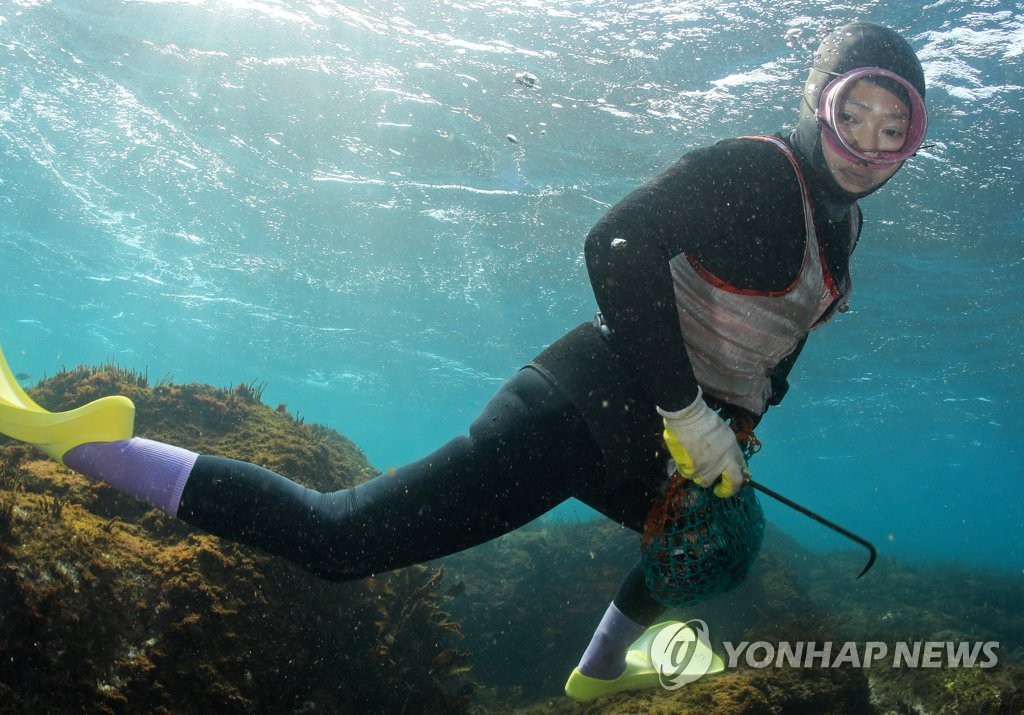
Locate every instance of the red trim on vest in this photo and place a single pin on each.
(722, 285)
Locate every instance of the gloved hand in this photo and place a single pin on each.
(704, 447)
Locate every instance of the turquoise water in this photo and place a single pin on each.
(359, 204)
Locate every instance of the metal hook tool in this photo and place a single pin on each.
(818, 518)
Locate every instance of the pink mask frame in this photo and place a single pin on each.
(830, 107)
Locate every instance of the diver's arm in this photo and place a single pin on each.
(628, 259)
(629, 268)
(715, 203)
(707, 204)
(628, 254)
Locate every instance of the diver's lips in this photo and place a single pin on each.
(858, 178)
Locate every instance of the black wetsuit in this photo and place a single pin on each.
(735, 207)
(580, 420)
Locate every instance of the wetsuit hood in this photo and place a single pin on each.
(852, 46)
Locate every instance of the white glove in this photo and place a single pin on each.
(704, 447)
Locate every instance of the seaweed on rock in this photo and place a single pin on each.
(410, 614)
(115, 608)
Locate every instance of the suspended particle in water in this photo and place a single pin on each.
(526, 79)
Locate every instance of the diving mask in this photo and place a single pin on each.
(831, 108)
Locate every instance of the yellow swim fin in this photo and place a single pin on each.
(104, 420)
(645, 669)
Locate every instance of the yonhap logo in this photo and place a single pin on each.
(681, 653)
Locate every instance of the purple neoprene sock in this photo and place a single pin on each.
(605, 657)
(151, 471)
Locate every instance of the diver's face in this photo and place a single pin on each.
(871, 119)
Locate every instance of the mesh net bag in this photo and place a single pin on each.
(696, 545)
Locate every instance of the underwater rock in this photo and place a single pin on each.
(999, 691)
(107, 606)
(535, 595)
(531, 601)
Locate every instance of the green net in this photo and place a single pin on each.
(696, 545)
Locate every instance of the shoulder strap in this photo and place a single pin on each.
(804, 189)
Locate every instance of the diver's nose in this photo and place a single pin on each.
(865, 139)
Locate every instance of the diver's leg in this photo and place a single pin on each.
(634, 599)
(603, 669)
(527, 452)
(633, 609)
(153, 472)
(605, 656)
(629, 614)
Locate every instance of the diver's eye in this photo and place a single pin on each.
(846, 118)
